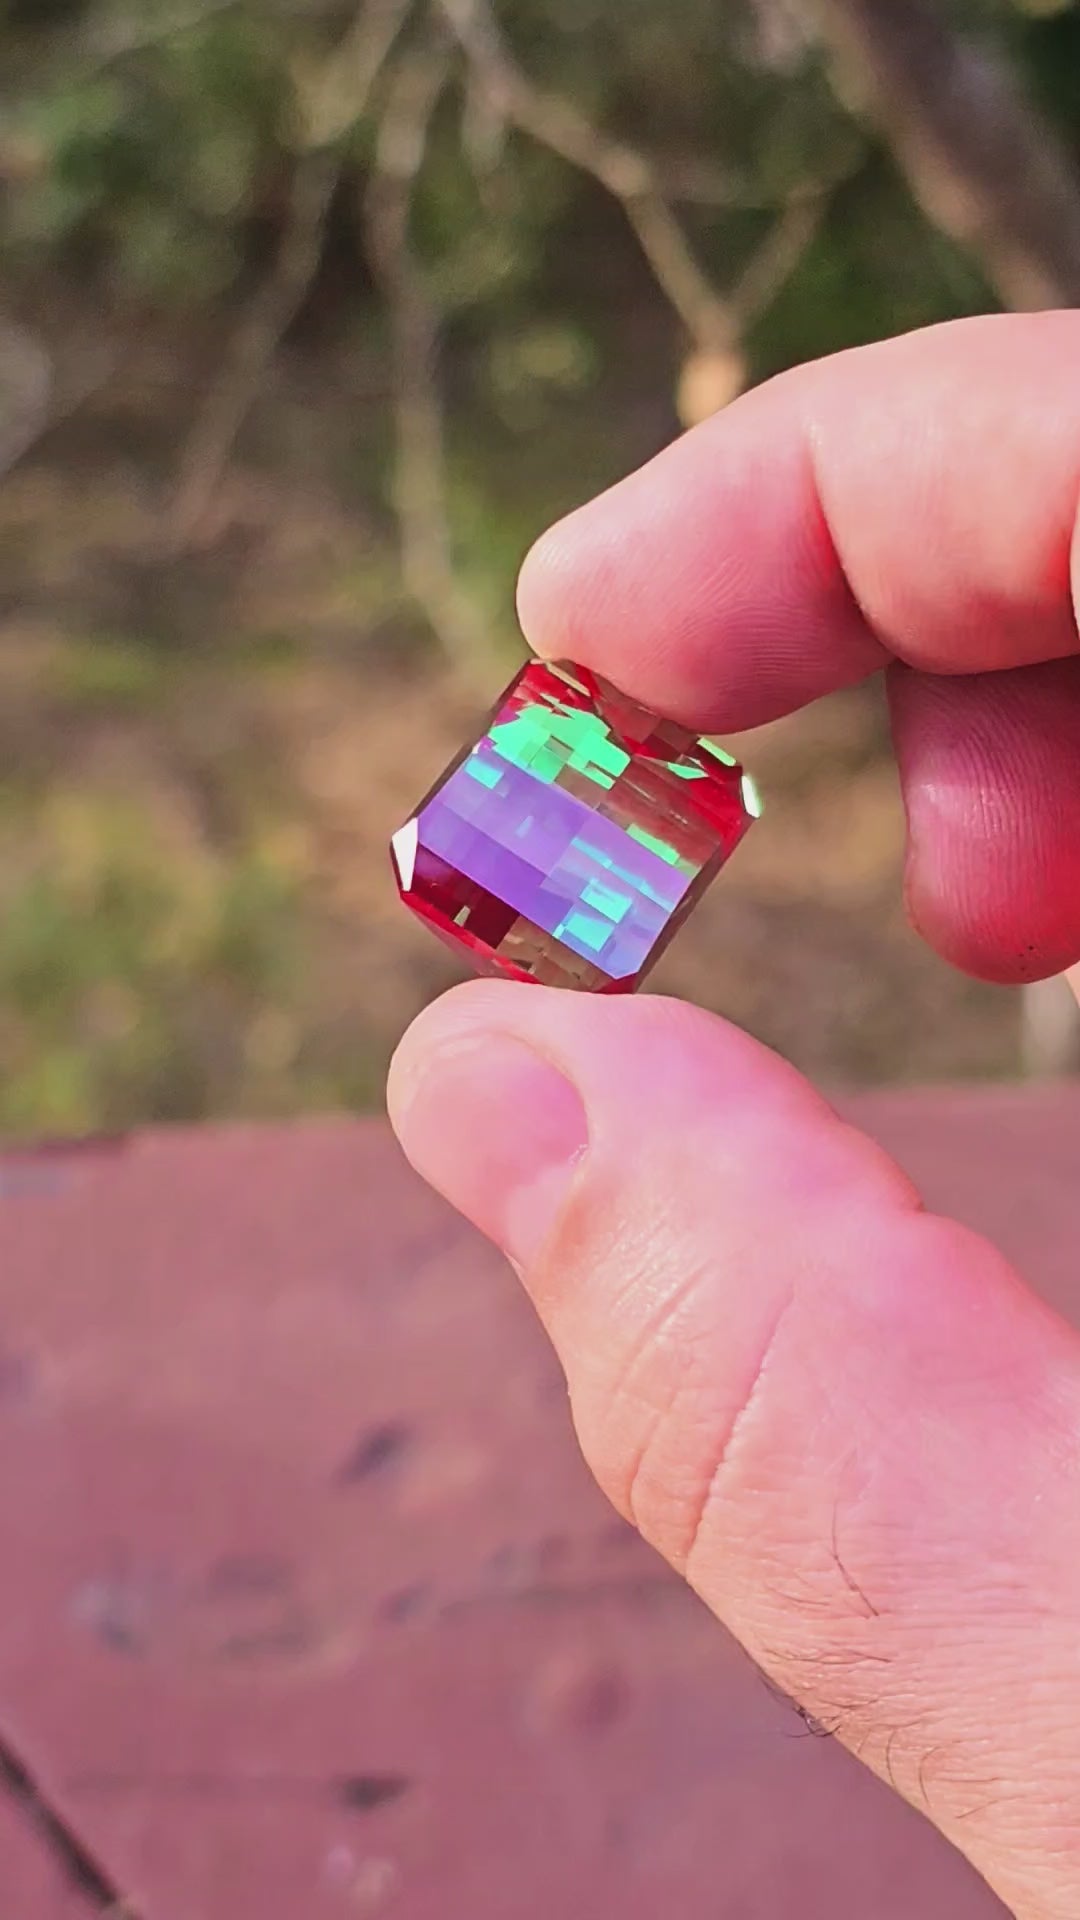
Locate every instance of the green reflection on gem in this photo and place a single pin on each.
(582, 926)
(686, 773)
(613, 905)
(630, 879)
(542, 741)
(719, 753)
(659, 847)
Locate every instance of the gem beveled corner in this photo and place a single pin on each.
(568, 843)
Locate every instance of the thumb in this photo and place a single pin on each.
(845, 1421)
(1073, 978)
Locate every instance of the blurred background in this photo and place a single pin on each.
(312, 315)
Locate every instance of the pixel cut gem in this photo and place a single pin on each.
(573, 838)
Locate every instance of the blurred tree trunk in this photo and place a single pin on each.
(983, 165)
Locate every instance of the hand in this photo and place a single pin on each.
(848, 1423)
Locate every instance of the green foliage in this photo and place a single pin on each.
(138, 979)
(107, 672)
(149, 162)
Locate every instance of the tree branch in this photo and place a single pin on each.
(981, 164)
(420, 492)
(645, 190)
(335, 102)
(556, 123)
(688, 180)
(709, 319)
(253, 347)
(26, 391)
(772, 266)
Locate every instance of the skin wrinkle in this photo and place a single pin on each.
(637, 1505)
(898, 616)
(684, 1560)
(642, 1352)
(906, 1203)
(813, 447)
(658, 1226)
(832, 1188)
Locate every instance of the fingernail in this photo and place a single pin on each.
(494, 1128)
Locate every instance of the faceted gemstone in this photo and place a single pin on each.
(572, 839)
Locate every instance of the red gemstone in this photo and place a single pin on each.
(571, 840)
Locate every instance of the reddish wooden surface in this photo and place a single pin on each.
(309, 1608)
(37, 1879)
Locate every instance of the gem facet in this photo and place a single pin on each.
(571, 841)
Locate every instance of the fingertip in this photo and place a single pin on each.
(497, 1090)
(777, 551)
(988, 769)
(705, 584)
(450, 1022)
(544, 589)
(486, 1119)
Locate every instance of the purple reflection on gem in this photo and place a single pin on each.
(544, 852)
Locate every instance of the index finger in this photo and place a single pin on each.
(915, 500)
